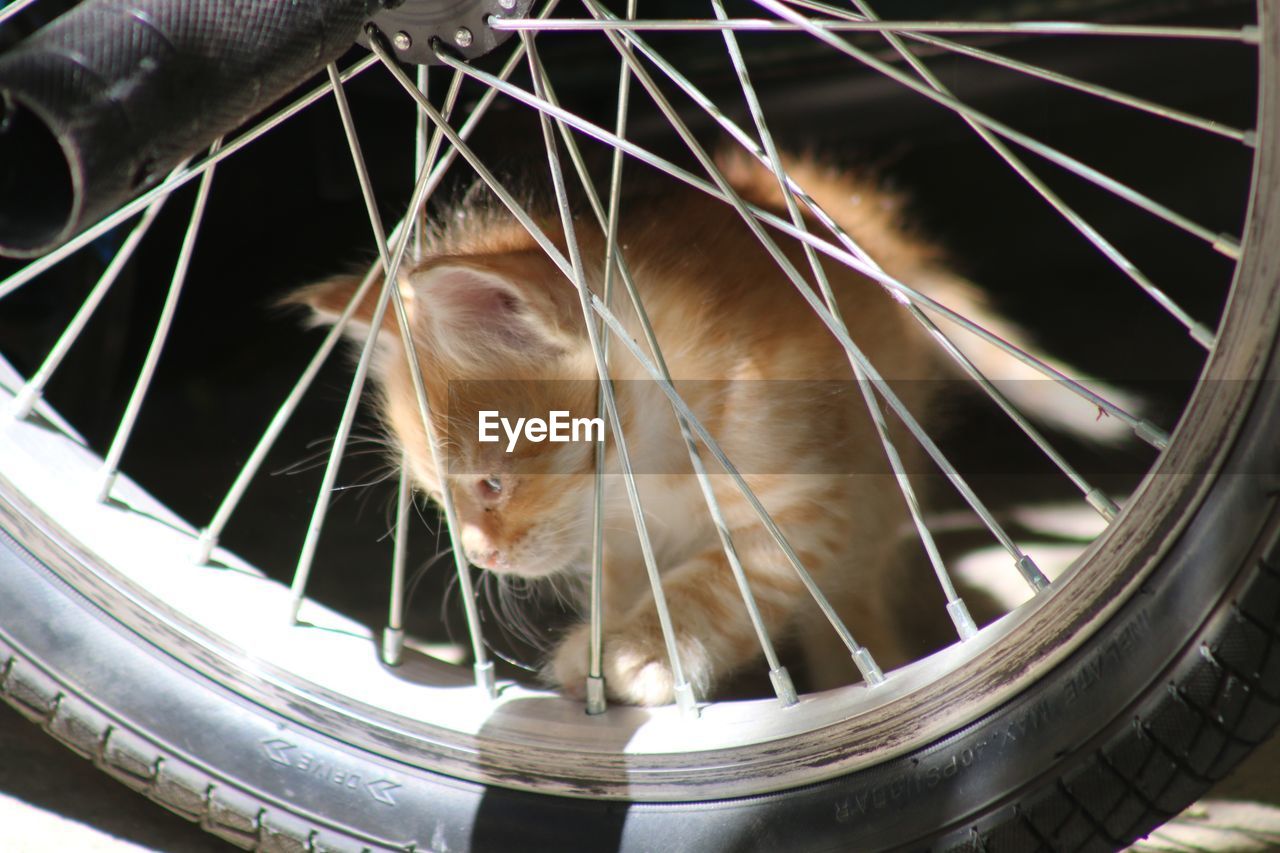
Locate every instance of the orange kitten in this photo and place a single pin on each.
(499, 329)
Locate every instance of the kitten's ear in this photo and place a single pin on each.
(494, 309)
(328, 300)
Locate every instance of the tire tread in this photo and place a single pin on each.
(1219, 702)
(129, 756)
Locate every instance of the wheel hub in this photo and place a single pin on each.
(413, 28)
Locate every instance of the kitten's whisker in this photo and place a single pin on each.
(389, 520)
(317, 459)
(307, 463)
(519, 618)
(421, 572)
(379, 477)
(501, 618)
(444, 597)
(326, 441)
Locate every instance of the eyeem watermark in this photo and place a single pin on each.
(557, 426)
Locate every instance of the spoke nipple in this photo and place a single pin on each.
(1201, 335)
(783, 686)
(686, 701)
(204, 546)
(392, 646)
(1104, 505)
(25, 401)
(402, 40)
(463, 37)
(485, 679)
(595, 695)
(1151, 434)
(959, 613)
(1032, 573)
(108, 483)
(871, 672)
(1228, 245)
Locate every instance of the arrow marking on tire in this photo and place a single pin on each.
(320, 768)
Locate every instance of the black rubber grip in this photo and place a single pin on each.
(111, 96)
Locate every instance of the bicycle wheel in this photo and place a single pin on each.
(184, 676)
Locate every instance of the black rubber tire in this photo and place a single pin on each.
(1178, 683)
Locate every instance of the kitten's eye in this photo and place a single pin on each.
(490, 487)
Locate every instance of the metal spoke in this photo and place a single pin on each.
(1199, 333)
(1022, 562)
(713, 447)
(1025, 565)
(1247, 137)
(1244, 35)
(30, 393)
(955, 606)
(846, 254)
(167, 186)
(615, 262)
(393, 634)
(210, 535)
(769, 157)
(1095, 497)
(111, 462)
(14, 7)
(306, 557)
(681, 687)
(1218, 128)
(596, 702)
(484, 673)
(420, 129)
(860, 654)
(1224, 243)
(1143, 428)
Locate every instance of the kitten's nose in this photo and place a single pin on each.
(491, 559)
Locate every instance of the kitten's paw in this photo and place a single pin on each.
(568, 668)
(637, 669)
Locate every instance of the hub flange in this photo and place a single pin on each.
(412, 26)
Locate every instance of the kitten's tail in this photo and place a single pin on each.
(872, 216)
(1032, 390)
